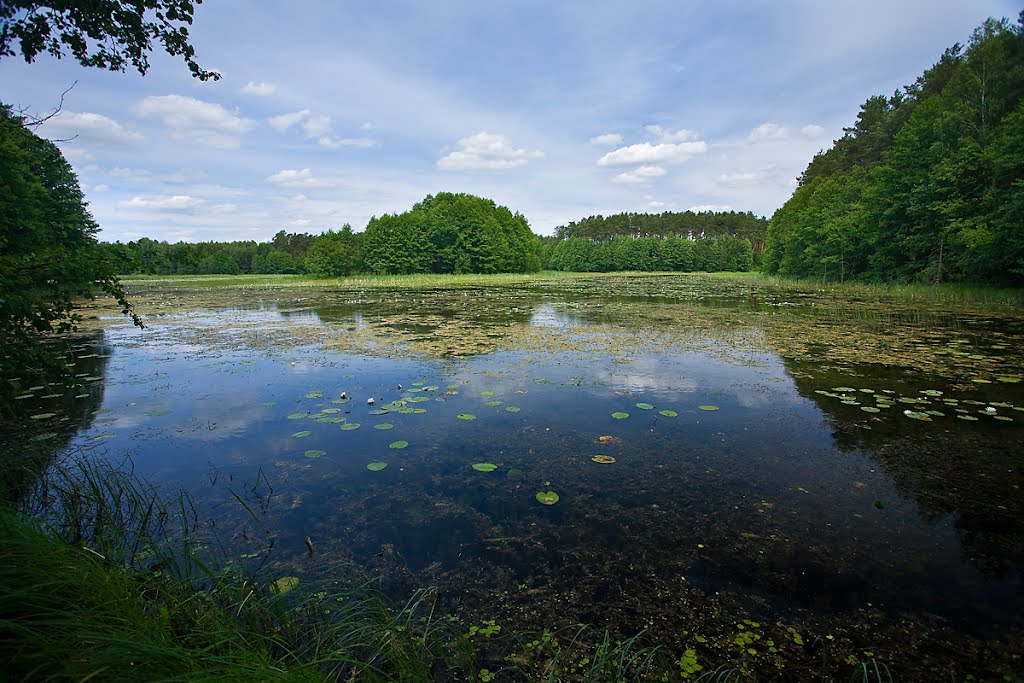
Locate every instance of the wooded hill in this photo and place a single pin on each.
(927, 185)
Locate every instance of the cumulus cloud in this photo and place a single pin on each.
(662, 134)
(766, 132)
(192, 119)
(646, 153)
(606, 140)
(285, 121)
(812, 131)
(643, 174)
(293, 177)
(90, 128)
(337, 143)
(315, 126)
(486, 151)
(258, 89)
(178, 202)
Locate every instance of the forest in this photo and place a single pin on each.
(927, 185)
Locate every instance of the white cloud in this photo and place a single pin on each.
(812, 131)
(89, 128)
(767, 131)
(315, 126)
(204, 122)
(76, 154)
(178, 202)
(644, 174)
(606, 140)
(258, 89)
(664, 135)
(292, 177)
(486, 151)
(709, 207)
(337, 143)
(368, 126)
(285, 121)
(646, 153)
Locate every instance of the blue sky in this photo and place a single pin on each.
(331, 112)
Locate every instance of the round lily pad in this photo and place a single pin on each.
(466, 416)
(645, 406)
(493, 403)
(609, 439)
(513, 409)
(384, 425)
(603, 459)
(349, 426)
(708, 407)
(620, 416)
(917, 415)
(398, 444)
(376, 466)
(547, 497)
(315, 453)
(870, 409)
(285, 584)
(485, 467)
(668, 413)
(303, 434)
(487, 393)
(270, 404)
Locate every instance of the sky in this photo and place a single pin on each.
(332, 111)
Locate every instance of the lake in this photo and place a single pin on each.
(672, 453)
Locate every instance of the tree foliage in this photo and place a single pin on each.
(108, 34)
(682, 254)
(451, 233)
(927, 185)
(49, 255)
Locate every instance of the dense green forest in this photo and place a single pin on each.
(927, 185)
(683, 254)
(688, 224)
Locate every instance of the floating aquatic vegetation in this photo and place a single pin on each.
(514, 474)
(1008, 380)
(487, 393)
(316, 393)
(620, 415)
(398, 444)
(708, 407)
(547, 497)
(157, 413)
(668, 413)
(43, 416)
(384, 425)
(609, 439)
(603, 459)
(645, 406)
(105, 435)
(513, 409)
(493, 403)
(285, 584)
(969, 418)
(379, 411)
(315, 453)
(349, 426)
(269, 404)
(466, 416)
(418, 399)
(376, 466)
(917, 415)
(330, 411)
(302, 435)
(485, 467)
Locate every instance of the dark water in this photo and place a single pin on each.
(782, 493)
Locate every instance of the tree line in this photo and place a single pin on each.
(620, 253)
(927, 185)
(685, 224)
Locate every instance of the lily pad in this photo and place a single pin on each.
(487, 393)
(609, 439)
(349, 426)
(43, 416)
(269, 404)
(485, 467)
(1008, 380)
(285, 584)
(378, 411)
(157, 413)
(870, 409)
(493, 403)
(303, 434)
(620, 416)
(916, 415)
(645, 406)
(708, 407)
(384, 425)
(316, 393)
(376, 466)
(668, 413)
(466, 416)
(547, 497)
(398, 444)
(513, 409)
(315, 453)
(603, 459)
